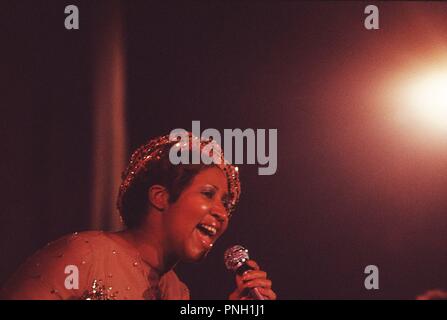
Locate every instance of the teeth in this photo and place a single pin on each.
(212, 231)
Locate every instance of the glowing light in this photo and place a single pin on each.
(423, 100)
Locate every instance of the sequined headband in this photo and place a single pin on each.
(141, 159)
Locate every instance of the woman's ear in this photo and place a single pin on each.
(158, 197)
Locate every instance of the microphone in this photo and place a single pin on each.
(235, 259)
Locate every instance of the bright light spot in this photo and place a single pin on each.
(423, 100)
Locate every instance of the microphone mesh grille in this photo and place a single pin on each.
(235, 256)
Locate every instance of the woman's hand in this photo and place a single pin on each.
(253, 279)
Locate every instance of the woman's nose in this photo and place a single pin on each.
(219, 212)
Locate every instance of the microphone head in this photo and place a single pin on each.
(235, 257)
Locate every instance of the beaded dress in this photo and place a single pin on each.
(92, 265)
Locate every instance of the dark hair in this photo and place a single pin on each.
(175, 178)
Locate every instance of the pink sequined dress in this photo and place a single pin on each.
(91, 265)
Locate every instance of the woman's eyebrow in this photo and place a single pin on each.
(211, 185)
(226, 195)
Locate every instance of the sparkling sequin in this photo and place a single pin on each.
(83, 262)
(98, 291)
(114, 252)
(135, 264)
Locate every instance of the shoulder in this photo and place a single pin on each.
(78, 245)
(77, 248)
(44, 274)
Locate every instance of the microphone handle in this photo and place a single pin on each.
(253, 291)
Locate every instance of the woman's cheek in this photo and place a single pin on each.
(204, 207)
(224, 228)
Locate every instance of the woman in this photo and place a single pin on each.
(172, 213)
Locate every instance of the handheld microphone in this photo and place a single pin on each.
(235, 259)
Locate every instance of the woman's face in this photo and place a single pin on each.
(199, 216)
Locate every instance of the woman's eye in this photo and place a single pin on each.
(208, 194)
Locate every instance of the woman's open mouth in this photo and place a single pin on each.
(207, 230)
(207, 234)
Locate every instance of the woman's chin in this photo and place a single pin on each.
(197, 247)
(195, 253)
(195, 258)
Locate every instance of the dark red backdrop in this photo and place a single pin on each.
(347, 192)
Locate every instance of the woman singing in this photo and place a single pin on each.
(172, 213)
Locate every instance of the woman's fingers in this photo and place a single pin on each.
(264, 283)
(246, 281)
(253, 264)
(267, 293)
(254, 278)
(253, 274)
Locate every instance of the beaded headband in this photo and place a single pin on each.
(141, 159)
